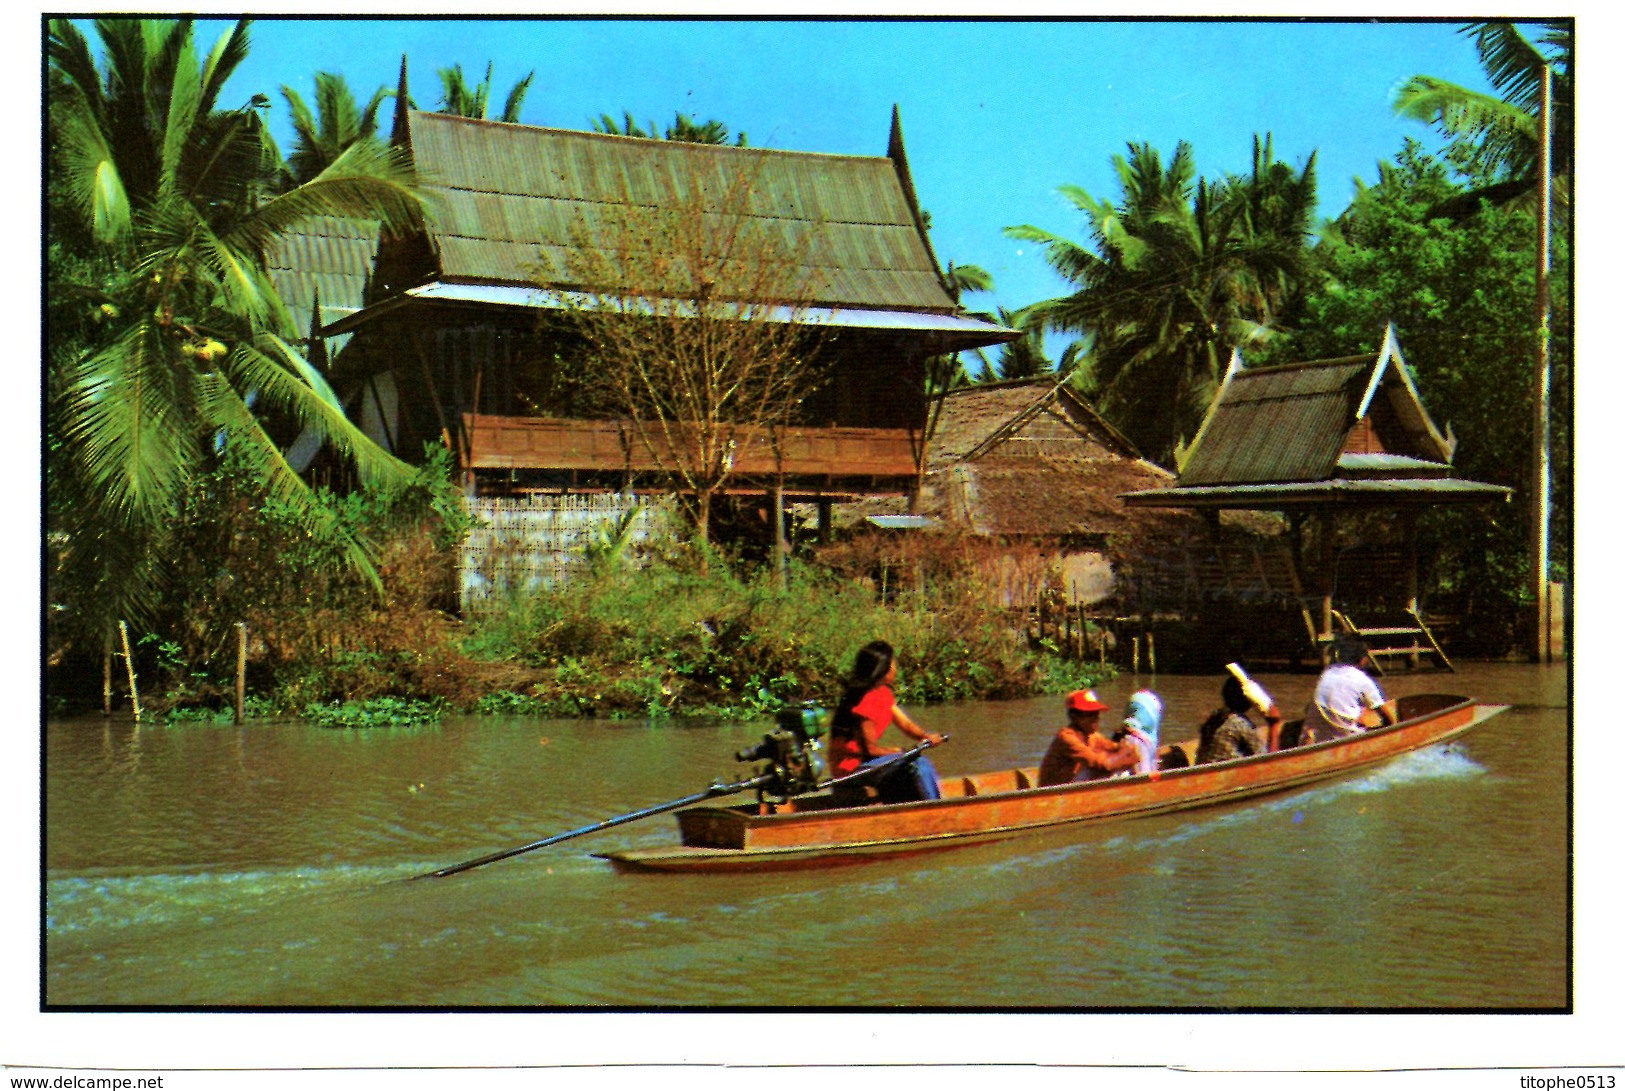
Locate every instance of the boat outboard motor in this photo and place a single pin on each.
(793, 752)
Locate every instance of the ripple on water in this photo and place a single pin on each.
(80, 903)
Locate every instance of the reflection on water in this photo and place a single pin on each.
(217, 867)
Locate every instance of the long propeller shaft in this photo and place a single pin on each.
(580, 831)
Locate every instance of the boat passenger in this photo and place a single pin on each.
(1230, 732)
(1079, 751)
(1142, 719)
(866, 709)
(1347, 700)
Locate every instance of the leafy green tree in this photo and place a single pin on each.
(1174, 275)
(683, 128)
(1494, 141)
(1461, 297)
(174, 345)
(320, 138)
(457, 97)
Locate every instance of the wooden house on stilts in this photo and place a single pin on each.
(1325, 442)
(452, 343)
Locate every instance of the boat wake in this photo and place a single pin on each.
(83, 903)
(1434, 763)
(1446, 762)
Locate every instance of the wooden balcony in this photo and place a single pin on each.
(543, 443)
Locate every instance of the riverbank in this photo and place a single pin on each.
(671, 639)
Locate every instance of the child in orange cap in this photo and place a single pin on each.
(1080, 751)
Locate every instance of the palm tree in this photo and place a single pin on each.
(457, 97)
(168, 205)
(1174, 276)
(1022, 358)
(1494, 140)
(946, 372)
(1277, 208)
(966, 278)
(683, 128)
(320, 138)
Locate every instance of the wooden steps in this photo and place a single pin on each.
(1412, 641)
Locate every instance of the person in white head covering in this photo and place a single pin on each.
(1142, 720)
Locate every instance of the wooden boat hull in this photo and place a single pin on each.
(812, 832)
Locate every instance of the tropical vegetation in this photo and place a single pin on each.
(683, 128)
(1176, 273)
(170, 348)
(321, 137)
(458, 97)
(1494, 141)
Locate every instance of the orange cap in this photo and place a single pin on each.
(1084, 700)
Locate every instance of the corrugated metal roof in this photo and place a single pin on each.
(1278, 424)
(324, 257)
(902, 522)
(511, 195)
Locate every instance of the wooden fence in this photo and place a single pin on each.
(521, 544)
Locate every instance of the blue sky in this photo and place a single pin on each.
(996, 115)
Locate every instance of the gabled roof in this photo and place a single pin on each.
(509, 197)
(1349, 431)
(973, 420)
(1031, 458)
(1293, 423)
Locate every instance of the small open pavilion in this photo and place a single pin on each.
(1319, 441)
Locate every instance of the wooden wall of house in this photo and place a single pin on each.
(875, 382)
(450, 361)
(1366, 437)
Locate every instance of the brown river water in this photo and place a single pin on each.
(209, 867)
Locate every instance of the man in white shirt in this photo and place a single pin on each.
(1346, 699)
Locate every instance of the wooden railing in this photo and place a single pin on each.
(547, 443)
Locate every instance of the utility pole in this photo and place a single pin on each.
(1541, 480)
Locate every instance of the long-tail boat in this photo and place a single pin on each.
(813, 831)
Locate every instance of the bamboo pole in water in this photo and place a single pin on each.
(129, 666)
(242, 661)
(1151, 650)
(107, 681)
(1136, 655)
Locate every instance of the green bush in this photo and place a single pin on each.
(673, 639)
(377, 712)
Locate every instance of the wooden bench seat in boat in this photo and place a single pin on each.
(986, 784)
